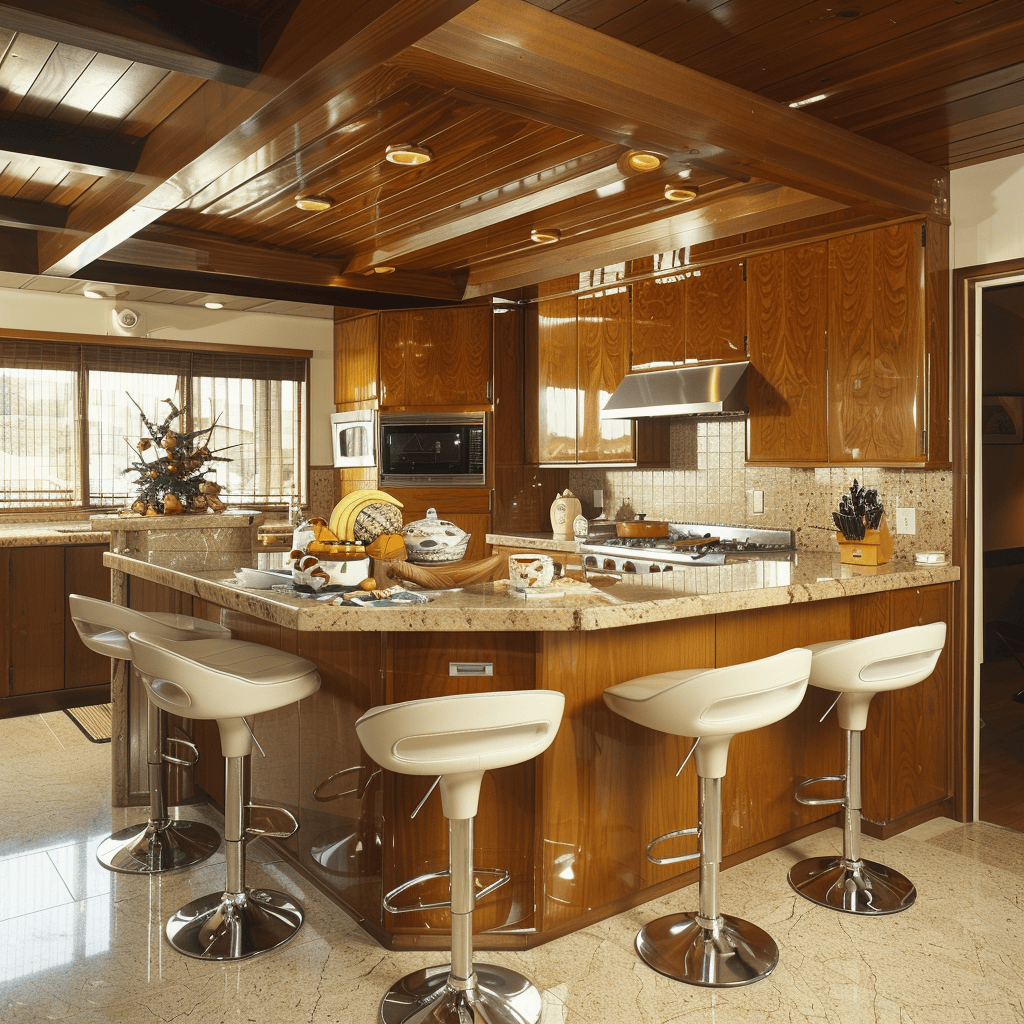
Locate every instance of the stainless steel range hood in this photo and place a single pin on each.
(680, 391)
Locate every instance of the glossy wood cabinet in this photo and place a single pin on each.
(603, 339)
(357, 362)
(849, 350)
(786, 383)
(886, 350)
(436, 357)
(689, 316)
(45, 665)
(578, 350)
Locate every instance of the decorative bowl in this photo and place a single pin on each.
(433, 541)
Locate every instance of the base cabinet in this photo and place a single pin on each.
(45, 665)
(572, 826)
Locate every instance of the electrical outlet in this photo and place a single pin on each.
(757, 503)
(598, 498)
(906, 520)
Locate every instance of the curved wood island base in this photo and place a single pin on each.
(572, 826)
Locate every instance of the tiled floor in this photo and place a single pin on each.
(80, 945)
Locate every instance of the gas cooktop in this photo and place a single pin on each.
(685, 544)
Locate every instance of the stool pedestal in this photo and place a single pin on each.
(239, 922)
(161, 843)
(850, 883)
(462, 991)
(708, 948)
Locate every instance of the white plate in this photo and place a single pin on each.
(261, 579)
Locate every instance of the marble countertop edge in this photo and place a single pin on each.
(483, 607)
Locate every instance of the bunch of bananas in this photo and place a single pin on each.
(343, 517)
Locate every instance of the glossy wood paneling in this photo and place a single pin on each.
(356, 362)
(915, 720)
(435, 357)
(508, 429)
(552, 374)
(504, 827)
(658, 318)
(5, 619)
(716, 313)
(876, 347)
(36, 609)
(603, 355)
(786, 387)
(84, 573)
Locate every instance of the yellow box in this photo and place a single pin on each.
(874, 549)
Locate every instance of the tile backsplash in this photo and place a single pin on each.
(709, 482)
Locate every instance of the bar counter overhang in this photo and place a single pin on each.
(571, 827)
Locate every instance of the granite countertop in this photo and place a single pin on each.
(534, 541)
(43, 533)
(688, 592)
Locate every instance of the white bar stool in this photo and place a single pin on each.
(225, 680)
(163, 843)
(458, 738)
(857, 670)
(706, 947)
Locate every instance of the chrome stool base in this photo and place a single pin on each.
(148, 849)
(734, 952)
(500, 996)
(856, 887)
(234, 926)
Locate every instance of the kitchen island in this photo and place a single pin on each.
(572, 826)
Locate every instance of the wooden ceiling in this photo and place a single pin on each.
(165, 149)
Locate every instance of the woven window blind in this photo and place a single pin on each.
(72, 415)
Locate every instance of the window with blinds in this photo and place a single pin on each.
(69, 415)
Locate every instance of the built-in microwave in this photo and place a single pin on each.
(353, 437)
(432, 450)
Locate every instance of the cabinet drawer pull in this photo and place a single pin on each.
(470, 668)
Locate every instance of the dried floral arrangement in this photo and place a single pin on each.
(172, 467)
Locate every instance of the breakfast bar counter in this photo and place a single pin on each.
(572, 826)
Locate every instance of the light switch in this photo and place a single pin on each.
(758, 503)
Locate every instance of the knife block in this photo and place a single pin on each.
(874, 549)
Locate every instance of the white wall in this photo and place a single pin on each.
(987, 204)
(38, 311)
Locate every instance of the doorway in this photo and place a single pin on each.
(988, 422)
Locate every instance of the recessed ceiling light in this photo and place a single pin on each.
(680, 193)
(315, 204)
(383, 270)
(544, 236)
(408, 156)
(214, 305)
(638, 160)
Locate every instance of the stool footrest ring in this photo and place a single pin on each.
(184, 762)
(819, 801)
(501, 878)
(695, 831)
(270, 822)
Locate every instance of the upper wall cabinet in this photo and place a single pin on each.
(577, 353)
(436, 357)
(689, 316)
(786, 384)
(357, 362)
(849, 350)
(888, 350)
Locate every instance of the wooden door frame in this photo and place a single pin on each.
(963, 437)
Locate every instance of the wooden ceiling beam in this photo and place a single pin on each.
(198, 253)
(22, 213)
(200, 39)
(218, 126)
(745, 208)
(217, 284)
(70, 147)
(515, 56)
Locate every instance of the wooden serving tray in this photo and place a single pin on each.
(479, 571)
